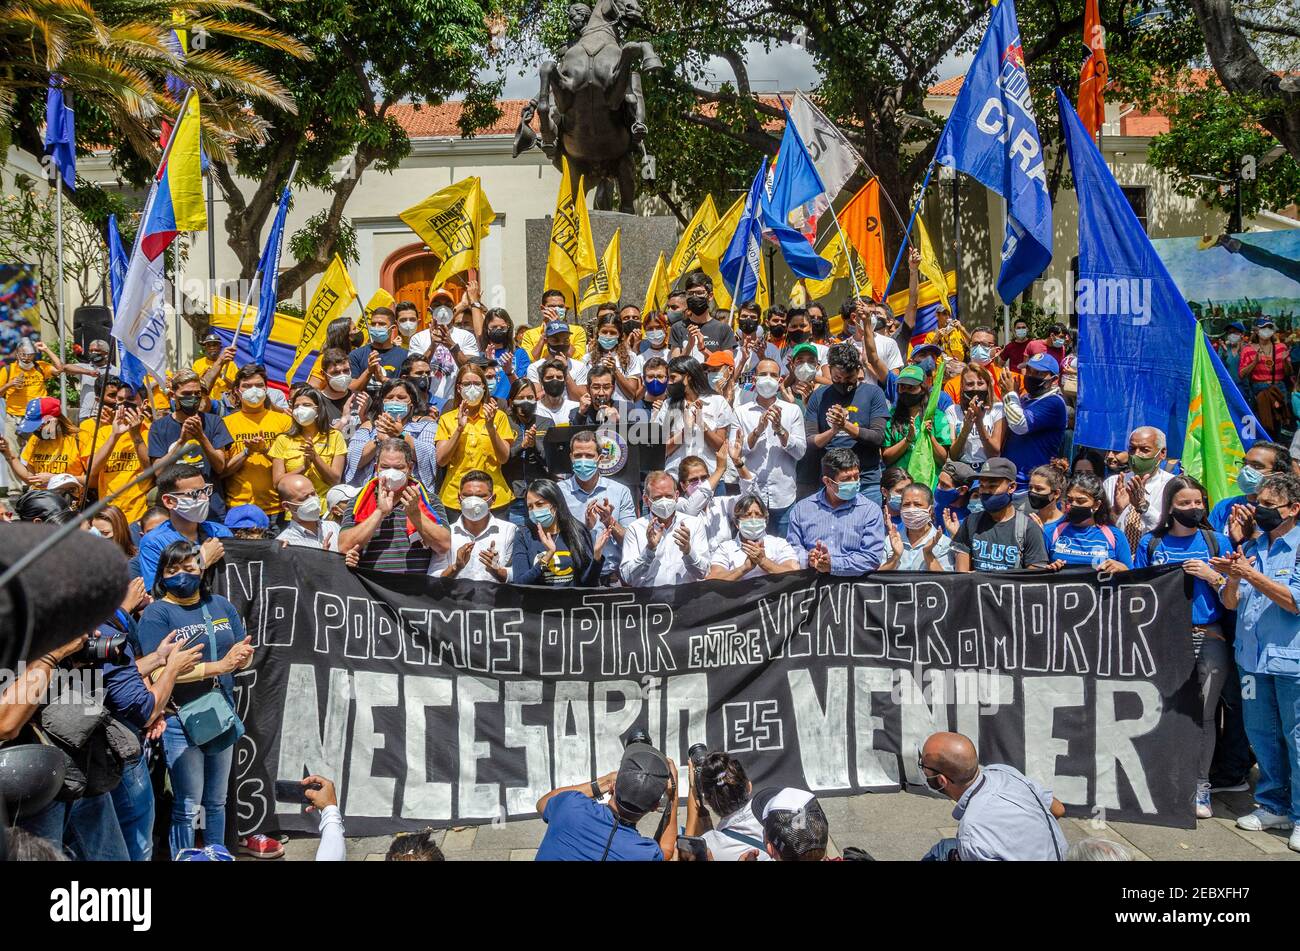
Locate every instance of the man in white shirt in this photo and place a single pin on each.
(559, 348)
(1142, 489)
(553, 406)
(481, 543)
(855, 314)
(460, 342)
(773, 440)
(664, 547)
(307, 528)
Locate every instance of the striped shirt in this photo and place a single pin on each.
(391, 548)
(853, 532)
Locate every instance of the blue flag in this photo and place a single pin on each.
(743, 257)
(61, 133)
(793, 185)
(131, 370)
(269, 268)
(1137, 335)
(992, 136)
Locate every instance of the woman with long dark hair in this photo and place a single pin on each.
(720, 787)
(497, 345)
(613, 349)
(525, 449)
(1185, 536)
(310, 445)
(1086, 536)
(394, 414)
(110, 523)
(200, 772)
(697, 418)
(555, 548)
(908, 425)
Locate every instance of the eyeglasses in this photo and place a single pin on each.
(204, 492)
(920, 762)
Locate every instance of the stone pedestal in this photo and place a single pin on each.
(642, 240)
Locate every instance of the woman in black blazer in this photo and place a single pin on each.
(554, 548)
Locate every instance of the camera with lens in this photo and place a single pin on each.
(101, 649)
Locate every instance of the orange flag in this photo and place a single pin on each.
(860, 221)
(1095, 72)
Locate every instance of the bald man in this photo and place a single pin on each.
(1142, 488)
(308, 529)
(1002, 816)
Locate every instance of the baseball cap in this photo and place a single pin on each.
(247, 516)
(441, 294)
(999, 468)
(797, 838)
(642, 780)
(1236, 325)
(803, 348)
(340, 493)
(556, 327)
(911, 374)
(210, 337)
(926, 348)
(1263, 321)
(38, 411)
(63, 481)
(1043, 363)
(961, 473)
(720, 358)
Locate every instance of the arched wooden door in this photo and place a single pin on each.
(408, 275)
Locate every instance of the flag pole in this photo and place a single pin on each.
(63, 324)
(248, 298)
(848, 252)
(907, 231)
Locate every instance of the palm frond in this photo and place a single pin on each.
(262, 36)
(206, 67)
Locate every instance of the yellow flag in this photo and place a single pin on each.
(714, 245)
(328, 303)
(656, 295)
(572, 254)
(607, 282)
(452, 222)
(799, 294)
(931, 270)
(684, 257)
(840, 264)
(381, 298)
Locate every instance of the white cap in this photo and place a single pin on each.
(340, 493)
(63, 480)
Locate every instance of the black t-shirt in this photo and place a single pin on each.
(718, 335)
(333, 407)
(1001, 546)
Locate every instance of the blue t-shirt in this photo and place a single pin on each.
(1047, 419)
(502, 357)
(167, 430)
(1088, 546)
(162, 617)
(577, 828)
(865, 403)
(153, 543)
(1172, 550)
(1223, 510)
(390, 359)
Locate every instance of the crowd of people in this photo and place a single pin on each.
(797, 438)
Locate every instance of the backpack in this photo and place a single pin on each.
(1211, 543)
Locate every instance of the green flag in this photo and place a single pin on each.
(1212, 452)
(920, 461)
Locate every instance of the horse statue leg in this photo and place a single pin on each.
(627, 176)
(525, 137)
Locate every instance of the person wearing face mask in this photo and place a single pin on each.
(700, 333)
(460, 342)
(1057, 344)
(527, 461)
(186, 495)
(553, 407)
(983, 429)
(382, 357)
(308, 447)
(1135, 497)
(1262, 459)
(602, 504)
(983, 357)
(654, 338)
(1085, 536)
(869, 319)
(184, 604)
(664, 546)
(1263, 587)
(554, 548)
(558, 350)
(908, 425)
(204, 435)
(655, 374)
(698, 495)
(392, 415)
(698, 420)
(338, 500)
(798, 333)
(1013, 353)
(473, 434)
(752, 347)
(613, 352)
(838, 531)
(773, 441)
(88, 376)
(419, 373)
(1037, 422)
(596, 407)
(215, 367)
(394, 521)
(498, 347)
(1265, 367)
(248, 472)
(553, 310)
(1045, 500)
(892, 483)
(1000, 537)
(482, 545)
(921, 545)
(953, 494)
(1184, 536)
(753, 552)
(308, 527)
(802, 371)
(851, 413)
(21, 381)
(819, 324)
(1229, 347)
(1002, 815)
(51, 445)
(342, 406)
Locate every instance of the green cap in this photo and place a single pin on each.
(803, 348)
(911, 374)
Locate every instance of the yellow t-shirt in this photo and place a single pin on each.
(329, 445)
(55, 456)
(252, 484)
(224, 381)
(31, 387)
(577, 341)
(473, 451)
(122, 465)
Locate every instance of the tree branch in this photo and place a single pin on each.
(1267, 27)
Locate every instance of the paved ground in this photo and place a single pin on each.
(891, 826)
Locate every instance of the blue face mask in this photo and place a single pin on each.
(896, 502)
(397, 410)
(1248, 480)
(379, 334)
(542, 516)
(656, 388)
(585, 468)
(975, 505)
(183, 585)
(996, 503)
(847, 490)
(945, 497)
(980, 354)
(608, 343)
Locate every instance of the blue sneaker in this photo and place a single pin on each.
(1204, 809)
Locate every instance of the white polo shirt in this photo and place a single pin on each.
(326, 537)
(496, 532)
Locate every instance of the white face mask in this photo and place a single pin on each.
(1234, 338)
(664, 507)
(474, 507)
(340, 381)
(654, 337)
(49, 429)
(697, 501)
(192, 510)
(752, 529)
(916, 518)
(805, 372)
(766, 386)
(309, 510)
(305, 415)
(1265, 333)
(393, 478)
(253, 396)
(407, 327)
(473, 395)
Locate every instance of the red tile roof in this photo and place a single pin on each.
(441, 121)
(947, 87)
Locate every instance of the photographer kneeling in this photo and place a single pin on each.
(581, 829)
(719, 785)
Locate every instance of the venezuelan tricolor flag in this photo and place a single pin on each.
(178, 205)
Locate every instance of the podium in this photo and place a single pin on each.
(625, 455)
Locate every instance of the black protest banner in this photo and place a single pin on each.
(439, 703)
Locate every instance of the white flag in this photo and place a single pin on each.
(835, 159)
(140, 320)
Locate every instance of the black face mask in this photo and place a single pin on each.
(188, 404)
(420, 383)
(1037, 386)
(631, 326)
(677, 391)
(697, 304)
(1078, 514)
(910, 399)
(526, 411)
(499, 334)
(99, 359)
(748, 326)
(357, 340)
(1268, 518)
(776, 331)
(968, 395)
(553, 388)
(1039, 500)
(846, 387)
(800, 336)
(1190, 518)
(819, 328)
